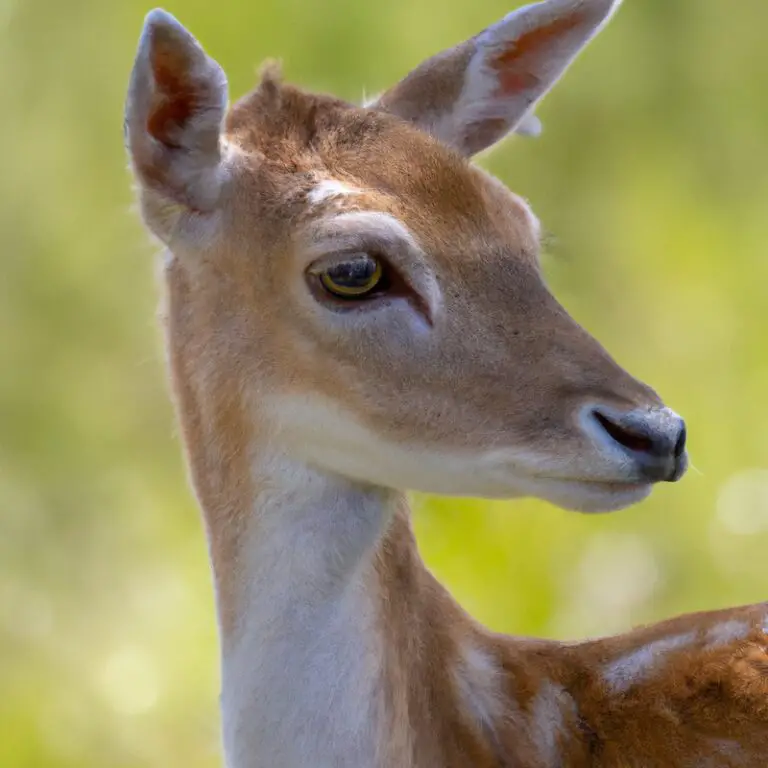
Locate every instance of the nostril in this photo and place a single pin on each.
(680, 444)
(655, 439)
(630, 439)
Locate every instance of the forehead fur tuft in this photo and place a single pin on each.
(271, 76)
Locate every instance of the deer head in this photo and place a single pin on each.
(345, 284)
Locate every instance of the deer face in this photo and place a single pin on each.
(345, 278)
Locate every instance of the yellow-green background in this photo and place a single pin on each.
(652, 175)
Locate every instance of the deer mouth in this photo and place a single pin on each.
(593, 496)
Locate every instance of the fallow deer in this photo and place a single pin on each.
(352, 310)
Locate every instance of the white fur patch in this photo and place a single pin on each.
(329, 189)
(732, 751)
(727, 632)
(530, 125)
(379, 222)
(370, 101)
(324, 434)
(478, 681)
(533, 219)
(629, 670)
(548, 721)
(301, 671)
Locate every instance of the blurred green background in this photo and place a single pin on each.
(652, 176)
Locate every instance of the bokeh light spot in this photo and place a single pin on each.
(742, 504)
(129, 681)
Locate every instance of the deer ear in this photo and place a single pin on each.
(473, 95)
(176, 104)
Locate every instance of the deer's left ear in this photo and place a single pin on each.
(473, 95)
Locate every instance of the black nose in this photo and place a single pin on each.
(654, 438)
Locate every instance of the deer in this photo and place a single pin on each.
(353, 309)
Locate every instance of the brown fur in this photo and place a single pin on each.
(675, 718)
(705, 702)
(503, 365)
(473, 229)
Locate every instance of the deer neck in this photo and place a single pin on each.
(294, 553)
(331, 625)
(339, 647)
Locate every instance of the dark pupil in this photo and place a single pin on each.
(353, 274)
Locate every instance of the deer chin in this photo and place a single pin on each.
(586, 496)
(603, 487)
(589, 496)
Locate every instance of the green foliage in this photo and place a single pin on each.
(653, 174)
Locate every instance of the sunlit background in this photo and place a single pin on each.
(652, 178)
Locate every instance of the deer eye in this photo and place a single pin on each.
(358, 277)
